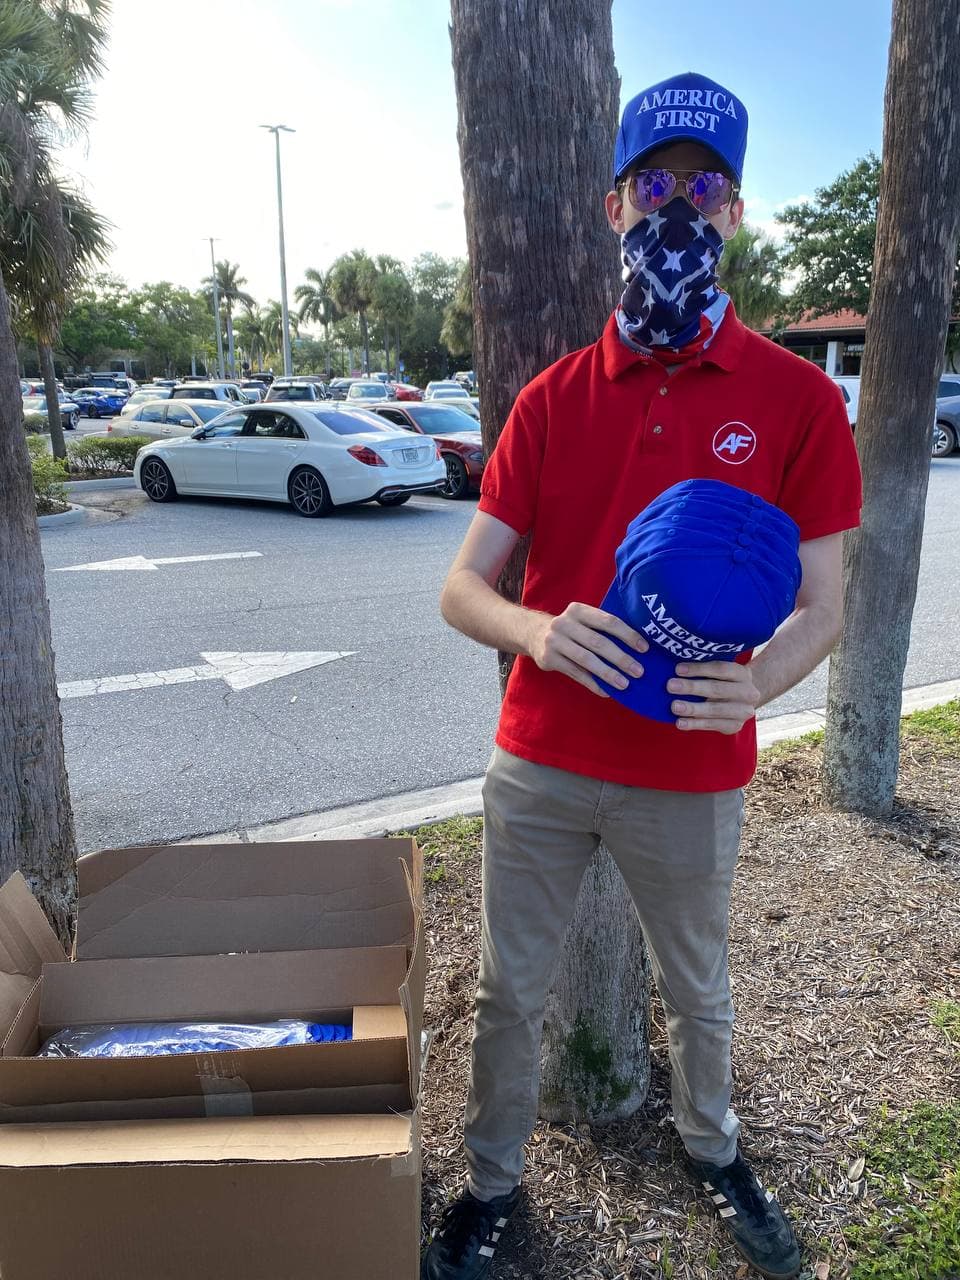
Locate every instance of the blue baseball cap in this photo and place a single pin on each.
(685, 108)
(707, 571)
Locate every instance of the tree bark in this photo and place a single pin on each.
(918, 222)
(36, 822)
(537, 95)
(365, 334)
(54, 420)
(232, 360)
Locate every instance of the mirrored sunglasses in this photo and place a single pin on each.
(648, 189)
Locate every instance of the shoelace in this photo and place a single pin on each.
(464, 1223)
(746, 1195)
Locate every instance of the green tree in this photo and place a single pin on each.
(352, 279)
(436, 278)
(252, 332)
(172, 324)
(317, 305)
(230, 285)
(48, 52)
(829, 242)
(100, 318)
(273, 328)
(392, 303)
(751, 271)
(457, 330)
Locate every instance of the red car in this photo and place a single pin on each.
(460, 445)
(405, 391)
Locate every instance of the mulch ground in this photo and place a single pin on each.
(844, 933)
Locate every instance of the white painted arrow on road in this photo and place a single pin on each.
(239, 670)
(153, 562)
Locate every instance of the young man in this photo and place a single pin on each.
(676, 388)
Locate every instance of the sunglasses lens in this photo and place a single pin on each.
(650, 188)
(709, 192)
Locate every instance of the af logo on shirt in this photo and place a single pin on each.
(734, 442)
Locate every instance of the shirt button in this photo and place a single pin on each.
(657, 430)
(663, 391)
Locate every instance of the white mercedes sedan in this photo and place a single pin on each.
(314, 457)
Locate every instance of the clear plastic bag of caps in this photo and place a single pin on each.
(153, 1039)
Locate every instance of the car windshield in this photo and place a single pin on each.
(354, 424)
(207, 411)
(436, 420)
(295, 392)
(377, 391)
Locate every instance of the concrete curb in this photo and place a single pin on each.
(108, 482)
(435, 804)
(75, 515)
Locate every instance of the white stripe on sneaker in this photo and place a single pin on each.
(487, 1251)
(719, 1198)
(501, 1222)
(769, 1195)
(494, 1236)
(729, 1212)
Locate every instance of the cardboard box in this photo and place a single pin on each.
(275, 1164)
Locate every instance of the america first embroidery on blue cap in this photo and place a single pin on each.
(668, 633)
(668, 104)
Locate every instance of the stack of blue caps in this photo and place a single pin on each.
(705, 572)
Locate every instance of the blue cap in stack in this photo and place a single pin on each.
(705, 572)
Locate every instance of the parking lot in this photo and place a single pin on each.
(273, 721)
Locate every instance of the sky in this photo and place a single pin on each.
(175, 153)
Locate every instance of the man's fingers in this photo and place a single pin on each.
(592, 662)
(600, 620)
(598, 643)
(719, 689)
(714, 726)
(711, 670)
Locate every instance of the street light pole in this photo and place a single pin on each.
(216, 311)
(287, 358)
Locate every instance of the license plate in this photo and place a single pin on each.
(411, 455)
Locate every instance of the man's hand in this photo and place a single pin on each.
(732, 697)
(576, 643)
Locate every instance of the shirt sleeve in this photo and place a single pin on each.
(821, 488)
(511, 478)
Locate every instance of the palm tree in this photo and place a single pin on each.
(273, 327)
(352, 279)
(48, 51)
(252, 332)
(317, 305)
(230, 284)
(751, 271)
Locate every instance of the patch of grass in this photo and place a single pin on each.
(946, 1016)
(443, 843)
(913, 1172)
(942, 723)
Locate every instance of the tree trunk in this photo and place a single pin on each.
(365, 337)
(231, 354)
(36, 822)
(596, 1038)
(54, 420)
(544, 271)
(913, 270)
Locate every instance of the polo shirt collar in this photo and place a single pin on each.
(724, 351)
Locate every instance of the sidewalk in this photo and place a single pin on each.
(417, 808)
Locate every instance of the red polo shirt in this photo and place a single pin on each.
(589, 443)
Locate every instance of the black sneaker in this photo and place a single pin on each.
(463, 1245)
(753, 1217)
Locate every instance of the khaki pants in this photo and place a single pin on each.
(677, 852)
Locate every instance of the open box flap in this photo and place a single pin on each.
(226, 1140)
(202, 899)
(27, 942)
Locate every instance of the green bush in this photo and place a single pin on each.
(37, 447)
(105, 455)
(35, 421)
(48, 477)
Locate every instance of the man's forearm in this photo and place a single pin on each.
(472, 606)
(801, 644)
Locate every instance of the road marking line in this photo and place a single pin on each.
(150, 563)
(238, 670)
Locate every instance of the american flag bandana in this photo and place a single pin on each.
(671, 308)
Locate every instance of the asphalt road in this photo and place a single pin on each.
(414, 706)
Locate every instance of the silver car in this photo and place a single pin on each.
(167, 419)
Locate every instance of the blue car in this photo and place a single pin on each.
(99, 402)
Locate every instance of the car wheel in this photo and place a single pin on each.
(308, 493)
(394, 500)
(944, 439)
(93, 411)
(457, 482)
(156, 481)
(72, 420)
